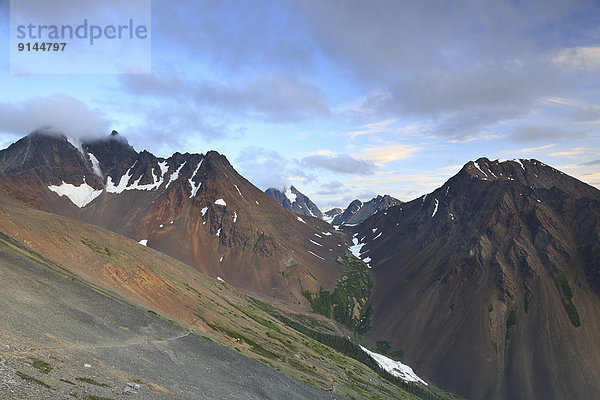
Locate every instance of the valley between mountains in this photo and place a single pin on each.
(170, 273)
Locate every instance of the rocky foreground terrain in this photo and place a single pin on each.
(62, 338)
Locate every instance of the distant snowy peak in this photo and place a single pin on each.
(357, 211)
(328, 216)
(292, 199)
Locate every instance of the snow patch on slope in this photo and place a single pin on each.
(395, 368)
(81, 195)
(355, 249)
(437, 203)
(157, 181)
(291, 196)
(220, 202)
(238, 190)
(175, 175)
(164, 167)
(316, 255)
(477, 166)
(95, 165)
(122, 185)
(191, 181)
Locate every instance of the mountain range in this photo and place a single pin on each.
(356, 212)
(488, 286)
(193, 207)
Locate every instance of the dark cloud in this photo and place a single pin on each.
(168, 129)
(591, 163)
(587, 114)
(272, 98)
(59, 113)
(389, 39)
(333, 187)
(466, 66)
(535, 133)
(449, 61)
(267, 37)
(340, 163)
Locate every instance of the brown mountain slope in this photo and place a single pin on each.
(490, 284)
(194, 207)
(79, 258)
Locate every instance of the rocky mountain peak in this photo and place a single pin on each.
(527, 172)
(357, 211)
(292, 199)
(504, 247)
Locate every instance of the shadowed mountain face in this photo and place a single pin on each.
(194, 207)
(357, 211)
(491, 283)
(292, 199)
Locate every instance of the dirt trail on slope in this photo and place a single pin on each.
(60, 339)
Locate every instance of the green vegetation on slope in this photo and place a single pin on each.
(510, 322)
(566, 296)
(351, 349)
(41, 365)
(30, 378)
(526, 300)
(350, 295)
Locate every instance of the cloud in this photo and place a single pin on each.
(373, 128)
(534, 133)
(380, 155)
(264, 97)
(476, 65)
(168, 128)
(574, 151)
(340, 163)
(582, 112)
(528, 152)
(591, 163)
(332, 187)
(579, 58)
(266, 37)
(267, 168)
(264, 168)
(58, 113)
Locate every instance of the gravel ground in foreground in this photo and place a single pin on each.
(61, 339)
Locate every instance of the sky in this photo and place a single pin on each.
(343, 99)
